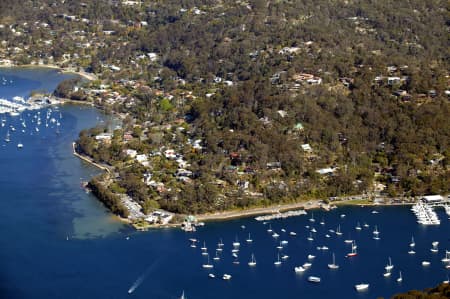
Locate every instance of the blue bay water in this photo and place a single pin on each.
(57, 241)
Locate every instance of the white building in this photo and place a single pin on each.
(143, 159)
(326, 170)
(131, 153)
(103, 136)
(432, 198)
(306, 147)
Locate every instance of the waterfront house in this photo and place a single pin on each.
(306, 147)
(104, 137)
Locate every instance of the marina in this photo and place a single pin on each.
(318, 264)
(17, 105)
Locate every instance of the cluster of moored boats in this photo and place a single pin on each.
(17, 105)
(284, 235)
(425, 214)
(31, 122)
(281, 257)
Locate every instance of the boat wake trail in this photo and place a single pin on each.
(141, 278)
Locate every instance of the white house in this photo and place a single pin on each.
(306, 147)
(143, 159)
(170, 154)
(103, 136)
(131, 153)
(393, 80)
(326, 170)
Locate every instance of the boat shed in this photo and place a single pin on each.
(432, 198)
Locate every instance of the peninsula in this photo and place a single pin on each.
(234, 105)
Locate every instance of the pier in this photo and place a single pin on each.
(88, 160)
(424, 212)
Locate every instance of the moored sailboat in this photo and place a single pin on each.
(338, 231)
(7, 137)
(252, 262)
(249, 239)
(333, 265)
(400, 278)
(278, 261)
(353, 253)
(389, 266)
(208, 265)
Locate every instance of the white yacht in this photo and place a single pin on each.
(204, 248)
(280, 246)
(389, 266)
(400, 278)
(333, 265)
(299, 269)
(362, 286)
(307, 265)
(249, 239)
(252, 262)
(434, 249)
(338, 231)
(217, 257)
(208, 265)
(278, 261)
(314, 279)
(375, 231)
(353, 253)
(226, 277)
